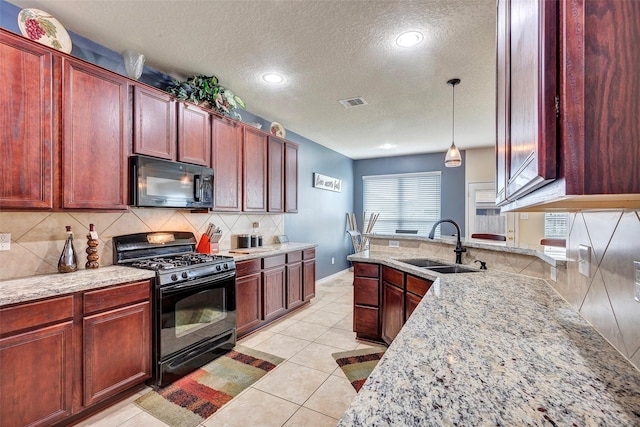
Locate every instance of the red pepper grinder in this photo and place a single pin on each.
(92, 248)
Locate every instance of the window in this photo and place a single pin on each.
(408, 202)
(555, 227)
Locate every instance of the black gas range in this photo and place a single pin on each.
(194, 315)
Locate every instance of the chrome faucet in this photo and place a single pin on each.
(459, 249)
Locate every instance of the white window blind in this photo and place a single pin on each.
(404, 201)
(555, 227)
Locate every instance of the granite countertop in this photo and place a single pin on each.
(267, 250)
(494, 348)
(51, 285)
(448, 240)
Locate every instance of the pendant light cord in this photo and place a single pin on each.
(453, 115)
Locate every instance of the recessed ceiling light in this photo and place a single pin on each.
(408, 39)
(272, 78)
(387, 146)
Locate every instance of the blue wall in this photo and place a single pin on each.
(452, 181)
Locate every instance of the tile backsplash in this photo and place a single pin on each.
(37, 238)
(606, 297)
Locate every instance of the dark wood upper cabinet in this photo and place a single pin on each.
(275, 175)
(227, 165)
(526, 90)
(95, 144)
(26, 133)
(254, 170)
(290, 177)
(567, 74)
(154, 123)
(194, 134)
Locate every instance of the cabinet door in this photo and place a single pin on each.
(308, 279)
(248, 303)
(392, 311)
(227, 165)
(95, 144)
(117, 351)
(294, 285)
(411, 302)
(254, 170)
(36, 372)
(502, 100)
(273, 293)
(275, 176)
(366, 322)
(26, 133)
(291, 177)
(154, 123)
(527, 75)
(194, 135)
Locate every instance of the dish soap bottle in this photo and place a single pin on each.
(68, 261)
(92, 248)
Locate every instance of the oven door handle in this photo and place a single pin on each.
(204, 282)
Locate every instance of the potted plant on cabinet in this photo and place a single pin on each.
(208, 92)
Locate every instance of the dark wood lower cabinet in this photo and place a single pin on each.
(308, 279)
(366, 322)
(60, 356)
(248, 302)
(411, 301)
(392, 311)
(35, 376)
(273, 286)
(366, 300)
(117, 351)
(294, 285)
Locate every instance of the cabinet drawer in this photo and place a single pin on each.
(365, 270)
(246, 268)
(366, 322)
(104, 299)
(273, 261)
(393, 276)
(308, 254)
(294, 257)
(418, 285)
(33, 314)
(365, 291)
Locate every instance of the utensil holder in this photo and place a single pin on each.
(204, 245)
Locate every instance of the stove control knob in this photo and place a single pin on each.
(185, 275)
(174, 277)
(218, 267)
(225, 266)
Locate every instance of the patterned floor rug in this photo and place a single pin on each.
(192, 399)
(358, 364)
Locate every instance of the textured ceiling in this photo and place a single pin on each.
(327, 50)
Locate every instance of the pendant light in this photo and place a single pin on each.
(453, 158)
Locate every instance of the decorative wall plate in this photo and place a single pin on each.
(277, 129)
(39, 26)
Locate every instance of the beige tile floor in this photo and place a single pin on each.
(307, 389)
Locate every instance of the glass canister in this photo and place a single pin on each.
(68, 261)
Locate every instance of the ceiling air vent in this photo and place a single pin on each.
(353, 102)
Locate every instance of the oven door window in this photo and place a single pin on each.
(188, 318)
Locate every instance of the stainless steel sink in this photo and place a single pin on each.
(423, 262)
(437, 266)
(450, 269)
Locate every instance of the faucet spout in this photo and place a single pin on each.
(459, 249)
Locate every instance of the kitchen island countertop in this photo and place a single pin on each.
(494, 348)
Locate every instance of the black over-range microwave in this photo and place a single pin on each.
(168, 184)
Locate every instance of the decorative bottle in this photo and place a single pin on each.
(68, 261)
(92, 248)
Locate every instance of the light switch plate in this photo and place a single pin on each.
(584, 260)
(636, 285)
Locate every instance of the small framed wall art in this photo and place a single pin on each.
(327, 183)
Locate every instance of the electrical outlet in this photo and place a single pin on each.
(394, 244)
(256, 224)
(5, 241)
(333, 260)
(636, 286)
